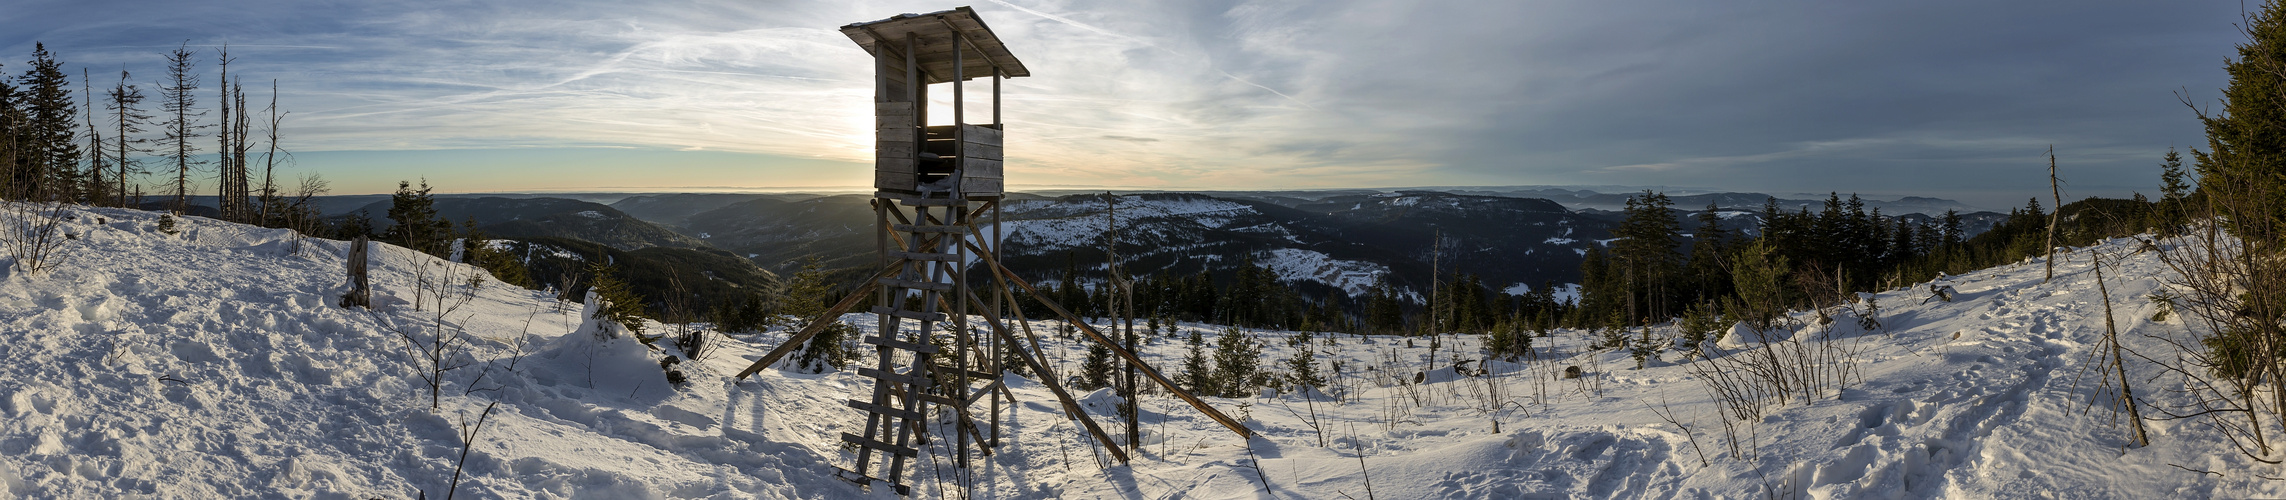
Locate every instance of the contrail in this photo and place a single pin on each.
(1077, 24)
(1109, 33)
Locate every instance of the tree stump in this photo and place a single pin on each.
(360, 288)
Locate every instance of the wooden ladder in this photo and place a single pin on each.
(907, 375)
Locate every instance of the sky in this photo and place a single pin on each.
(1947, 98)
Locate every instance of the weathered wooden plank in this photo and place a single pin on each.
(911, 228)
(981, 167)
(982, 151)
(900, 344)
(893, 149)
(979, 134)
(894, 181)
(901, 313)
(949, 371)
(880, 446)
(924, 256)
(894, 377)
(883, 410)
(923, 285)
(892, 108)
(981, 186)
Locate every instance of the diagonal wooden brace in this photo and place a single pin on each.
(831, 315)
(1099, 337)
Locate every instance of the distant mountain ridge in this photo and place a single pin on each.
(1320, 241)
(551, 217)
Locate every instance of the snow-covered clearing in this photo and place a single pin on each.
(215, 363)
(1354, 277)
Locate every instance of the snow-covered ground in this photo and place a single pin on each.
(215, 363)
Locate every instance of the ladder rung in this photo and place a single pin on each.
(900, 344)
(930, 397)
(923, 285)
(914, 201)
(941, 400)
(950, 371)
(884, 410)
(910, 228)
(901, 313)
(878, 445)
(894, 377)
(923, 256)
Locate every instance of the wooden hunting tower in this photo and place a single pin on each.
(937, 194)
(914, 158)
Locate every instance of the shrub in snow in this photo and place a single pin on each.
(1506, 341)
(612, 299)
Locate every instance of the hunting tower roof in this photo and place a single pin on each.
(934, 34)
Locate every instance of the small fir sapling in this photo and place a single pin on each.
(1237, 362)
(1301, 369)
(1198, 377)
(1095, 373)
(621, 305)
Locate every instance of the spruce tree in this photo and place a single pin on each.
(1095, 373)
(2245, 161)
(1197, 376)
(2172, 181)
(1708, 243)
(808, 296)
(1236, 361)
(1071, 294)
(51, 133)
(1951, 230)
(1383, 313)
(1646, 253)
(414, 222)
(1302, 367)
(621, 305)
(12, 125)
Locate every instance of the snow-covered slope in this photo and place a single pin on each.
(214, 363)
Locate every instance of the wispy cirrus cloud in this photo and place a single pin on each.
(1779, 95)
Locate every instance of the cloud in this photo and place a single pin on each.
(1791, 94)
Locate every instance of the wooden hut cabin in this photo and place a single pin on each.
(912, 52)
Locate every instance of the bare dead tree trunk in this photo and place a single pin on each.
(2118, 366)
(2055, 214)
(224, 145)
(271, 204)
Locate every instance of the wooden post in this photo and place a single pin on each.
(1123, 294)
(360, 285)
(2055, 213)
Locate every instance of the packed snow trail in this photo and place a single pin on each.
(214, 362)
